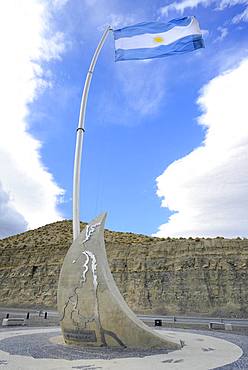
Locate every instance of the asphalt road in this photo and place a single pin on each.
(190, 320)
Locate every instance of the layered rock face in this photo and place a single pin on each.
(166, 276)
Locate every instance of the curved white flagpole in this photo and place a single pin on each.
(80, 135)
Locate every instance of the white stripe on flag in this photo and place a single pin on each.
(147, 40)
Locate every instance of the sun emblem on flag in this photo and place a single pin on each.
(158, 39)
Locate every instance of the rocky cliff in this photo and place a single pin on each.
(167, 276)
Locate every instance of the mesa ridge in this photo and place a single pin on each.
(154, 275)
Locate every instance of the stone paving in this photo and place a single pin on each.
(239, 340)
(37, 349)
(242, 342)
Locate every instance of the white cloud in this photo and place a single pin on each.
(117, 20)
(219, 4)
(59, 3)
(11, 221)
(227, 3)
(147, 91)
(223, 33)
(208, 189)
(242, 17)
(105, 13)
(142, 87)
(27, 39)
(182, 5)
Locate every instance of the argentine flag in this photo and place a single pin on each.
(156, 39)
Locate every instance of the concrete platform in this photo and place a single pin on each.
(38, 349)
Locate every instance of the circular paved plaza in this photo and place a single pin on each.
(39, 349)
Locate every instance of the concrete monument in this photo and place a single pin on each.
(92, 310)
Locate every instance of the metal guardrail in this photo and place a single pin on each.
(195, 320)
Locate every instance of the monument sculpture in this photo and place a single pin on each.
(92, 310)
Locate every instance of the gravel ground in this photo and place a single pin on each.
(39, 346)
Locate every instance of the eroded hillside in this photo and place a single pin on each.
(153, 274)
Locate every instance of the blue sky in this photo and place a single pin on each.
(166, 140)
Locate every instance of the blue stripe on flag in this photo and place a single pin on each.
(150, 27)
(183, 45)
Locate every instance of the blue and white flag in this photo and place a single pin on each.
(156, 39)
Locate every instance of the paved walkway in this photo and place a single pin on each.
(36, 349)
